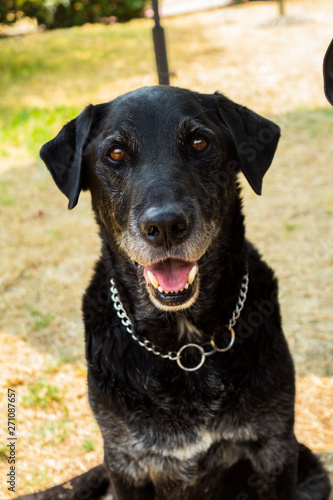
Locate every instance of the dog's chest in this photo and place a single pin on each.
(172, 432)
(173, 453)
(189, 449)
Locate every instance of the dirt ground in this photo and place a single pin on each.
(273, 66)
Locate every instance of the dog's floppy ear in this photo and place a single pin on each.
(255, 139)
(64, 155)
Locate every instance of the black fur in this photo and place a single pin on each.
(225, 430)
(328, 73)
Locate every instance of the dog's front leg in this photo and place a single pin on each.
(275, 479)
(129, 479)
(280, 485)
(123, 490)
(285, 482)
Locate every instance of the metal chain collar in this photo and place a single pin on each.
(176, 356)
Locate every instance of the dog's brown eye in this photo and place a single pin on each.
(199, 144)
(117, 154)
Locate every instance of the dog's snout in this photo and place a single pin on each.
(165, 226)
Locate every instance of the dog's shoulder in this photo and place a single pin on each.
(261, 273)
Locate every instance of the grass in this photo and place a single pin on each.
(47, 253)
(7, 197)
(38, 478)
(88, 445)
(4, 453)
(42, 320)
(42, 394)
(41, 59)
(53, 433)
(25, 129)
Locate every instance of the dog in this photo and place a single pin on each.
(189, 374)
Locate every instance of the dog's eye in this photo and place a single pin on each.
(198, 144)
(117, 154)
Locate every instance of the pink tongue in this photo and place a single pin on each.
(171, 274)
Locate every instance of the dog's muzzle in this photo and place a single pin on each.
(172, 283)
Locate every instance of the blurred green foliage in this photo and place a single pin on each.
(67, 13)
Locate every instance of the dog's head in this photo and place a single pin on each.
(161, 163)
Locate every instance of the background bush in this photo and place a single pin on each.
(67, 13)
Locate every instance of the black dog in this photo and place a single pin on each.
(191, 380)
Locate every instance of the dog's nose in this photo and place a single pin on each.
(165, 226)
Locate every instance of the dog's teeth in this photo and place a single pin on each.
(160, 289)
(192, 275)
(152, 278)
(186, 286)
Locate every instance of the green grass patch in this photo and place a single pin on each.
(290, 227)
(42, 320)
(88, 445)
(54, 433)
(4, 453)
(67, 55)
(27, 129)
(42, 394)
(304, 125)
(38, 478)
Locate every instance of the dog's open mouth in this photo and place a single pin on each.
(172, 283)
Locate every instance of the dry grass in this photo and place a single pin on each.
(47, 253)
